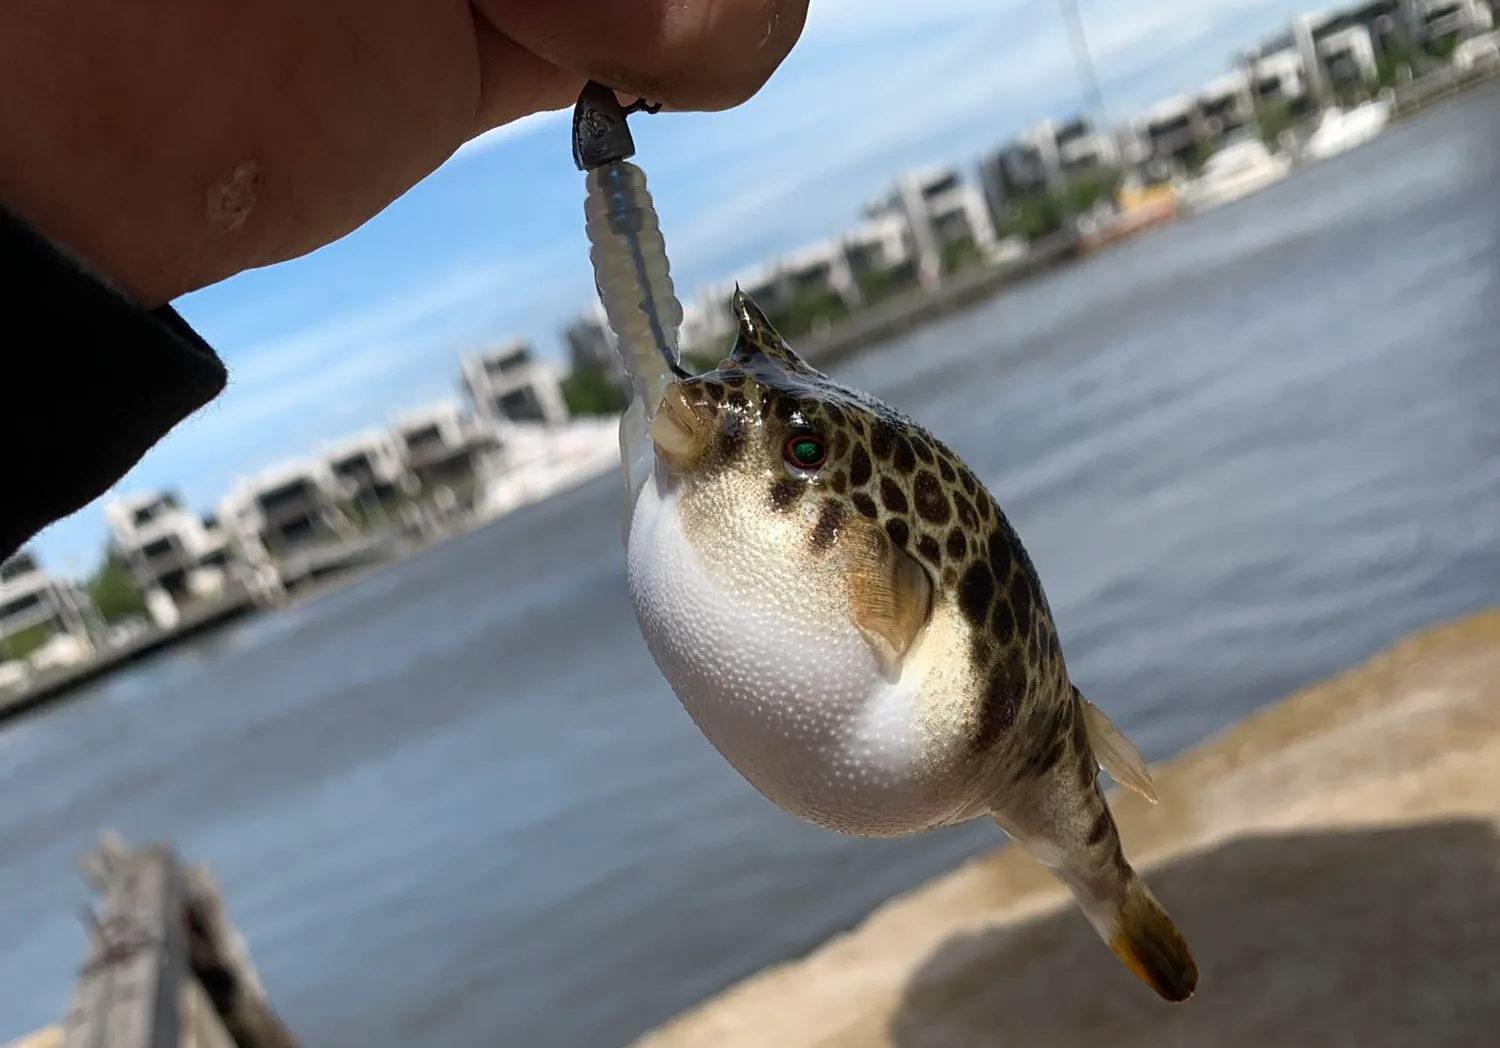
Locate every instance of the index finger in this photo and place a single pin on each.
(689, 54)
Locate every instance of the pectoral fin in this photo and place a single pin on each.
(1115, 753)
(890, 594)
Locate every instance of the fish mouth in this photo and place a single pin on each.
(679, 430)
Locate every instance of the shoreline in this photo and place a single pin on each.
(62, 685)
(1355, 822)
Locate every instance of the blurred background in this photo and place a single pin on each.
(1206, 292)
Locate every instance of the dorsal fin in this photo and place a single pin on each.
(756, 338)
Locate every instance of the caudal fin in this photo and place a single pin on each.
(1141, 934)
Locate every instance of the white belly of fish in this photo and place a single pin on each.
(795, 702)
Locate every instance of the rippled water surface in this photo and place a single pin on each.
(455, 805)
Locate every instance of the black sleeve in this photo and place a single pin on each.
(89, 381)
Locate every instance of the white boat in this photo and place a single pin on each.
(1242, 167)
(1339, 130)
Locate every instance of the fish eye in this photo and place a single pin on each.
(805, 451)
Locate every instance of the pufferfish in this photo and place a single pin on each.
(851, 621)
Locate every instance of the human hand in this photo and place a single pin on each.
(170, 144)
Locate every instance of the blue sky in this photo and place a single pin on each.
(491, 245)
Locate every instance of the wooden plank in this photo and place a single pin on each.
(129, 989)
(165, 967)
(221, 964)
(201, 1027)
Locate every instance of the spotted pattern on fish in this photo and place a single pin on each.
(885, 467)
(1015, 736)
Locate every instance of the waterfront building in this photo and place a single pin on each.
(372, 474)
(943, 215)
(288, 509)
(1437, 19)
(1043, 158)
(1226, 105)
(44, 620)
(174, 556)
(879, 251)
(450, 452)
(1171, 129)
(509, 385)
(591, 348)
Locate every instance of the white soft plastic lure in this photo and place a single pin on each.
(844, 610)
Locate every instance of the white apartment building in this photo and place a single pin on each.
(43, 619)
(1439, 18)
(1280, 76)
(172, 554)
(1226, 104)
(832, 268)
(880, 247)
(1078, 146)
(449, 452)
(508, 385)
(821, 270)
(940, 211)
(286, 509)
(371, 471)
(1171, 127)
(1348, 56)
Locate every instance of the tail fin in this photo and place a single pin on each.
(1141, 934)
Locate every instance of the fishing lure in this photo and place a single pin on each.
(631, 271)
(837, 601)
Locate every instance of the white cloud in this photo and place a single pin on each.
(815, 140)
(357, 330)
(303, 370)
(513, 131)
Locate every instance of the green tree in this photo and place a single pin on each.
(1396, 55)
(1273, 118)
(700, 362)
(113, 590)
(590, 393)
(960, 254)
(1032, 217)
(804, 312)
(23, 642)
(1443, 47)
(876, 285)
(1082, 193)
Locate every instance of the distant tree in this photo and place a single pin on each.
(1082, 193)
(113, 590)
(878, 284)
(1273, 118)
(1033, 217)
(960, 254)
(1199, 153)
(1442, 47)
(699, 362)
(805, 311)
(23, 642)
(1398, 62)
(590, 393)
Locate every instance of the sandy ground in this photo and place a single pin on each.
(1334, 862)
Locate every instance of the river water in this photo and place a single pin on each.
(454, 805)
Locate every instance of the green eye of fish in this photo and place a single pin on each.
(805, 452)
